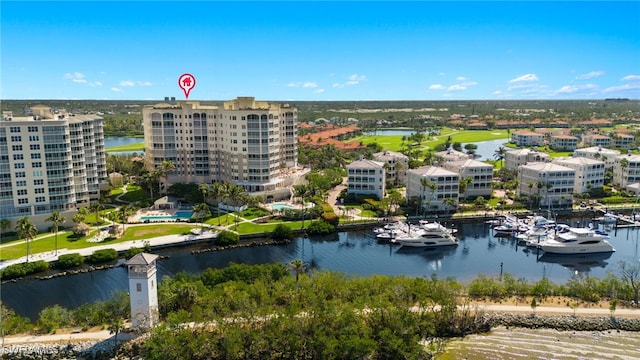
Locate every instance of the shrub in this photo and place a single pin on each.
(320, 227)
(23, 269)
(100, 256)
(70, 260)
(133, 251)
(331, 218)
(281, 232)
(227, 238)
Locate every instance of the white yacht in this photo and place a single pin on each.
(577, 241)
(428, 235)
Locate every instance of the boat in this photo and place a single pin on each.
(389, 234)
(577, 241)
(607, 218)
(509, 228)
(533, 238)
(427, 235)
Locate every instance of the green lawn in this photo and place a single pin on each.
(394, 142)
(130, 147)
(66, 241)
(253, 228)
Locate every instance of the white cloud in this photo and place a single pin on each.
(127, 83)
(95, 84)
(461, 78)
(590, 75)
(624, 87)
(525, 77)
(79, 81)
(306, 84)
(456, 87)
(436, 87)
(569, 89)
(631, 78)
(355, 79)
(74, 75)
(115, 89)
(145, 83)
(441, 73)
(318, 91)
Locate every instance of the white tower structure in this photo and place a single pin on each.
(143, 290)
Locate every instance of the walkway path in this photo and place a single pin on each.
(547, 310)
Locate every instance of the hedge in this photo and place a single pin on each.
(23, 269)
(100, 256)
(69, 260)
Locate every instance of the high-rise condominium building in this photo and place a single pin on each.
(246, 142)
(49, 161)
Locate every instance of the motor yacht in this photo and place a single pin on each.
(577, 241)
(427, 235)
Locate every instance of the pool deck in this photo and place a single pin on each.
(137, 217)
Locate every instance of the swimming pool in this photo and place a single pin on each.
(280, 207)
(184, 215)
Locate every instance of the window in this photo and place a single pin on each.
(23, 201)
(16, 138)
(34, 138)
(139, 287)
(22, 192)
(39, 199)
(18, 166)
(36, 164)
(34, 147)
(35, 156)
(40, 191)
(21, 174)
(32, 129)
(18, 156)
(15, 129)
(21, 183)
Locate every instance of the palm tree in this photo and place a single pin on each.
(464, 184)
(125, 212)
(298, 267)
(166, 167)
(56, 219)
(96, 206)
(218, 192)
(204, 189)
(5, 224)
(202, 211)
(499, 154)
(27, 231)
(426, 183)
(234, 194)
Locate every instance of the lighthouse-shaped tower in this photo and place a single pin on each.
(143, 290)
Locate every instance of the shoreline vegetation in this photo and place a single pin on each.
(394, 316)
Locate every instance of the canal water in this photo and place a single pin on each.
(354, 253)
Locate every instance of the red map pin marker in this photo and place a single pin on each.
(186, 82)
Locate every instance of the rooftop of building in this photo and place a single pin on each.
(365, 163)
(521, 152)
(577, 160)
(432, 171)
(598, 149)
(470, 163)
(546, 166)
(388, 155)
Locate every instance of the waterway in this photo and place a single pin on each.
(110, 142)
(354, 253)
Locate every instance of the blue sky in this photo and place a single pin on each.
(320, 50)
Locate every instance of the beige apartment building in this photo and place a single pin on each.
(49, 161)
(246, 142)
